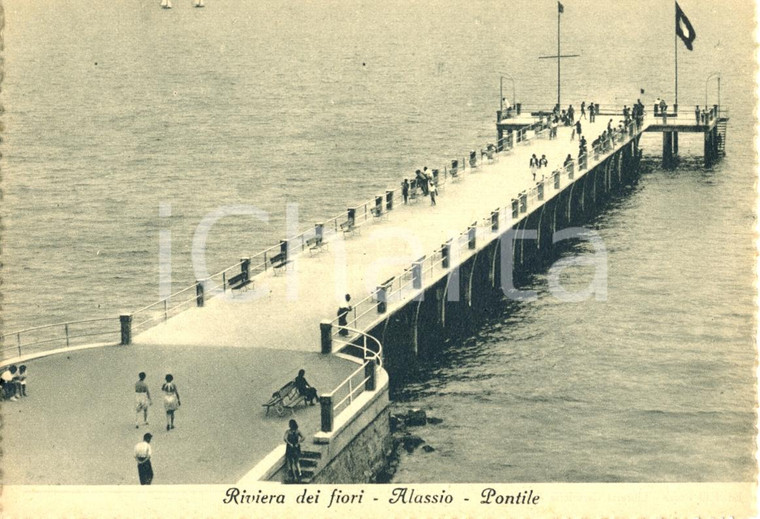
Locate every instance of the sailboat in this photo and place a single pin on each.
(199, 3)
(166, 4)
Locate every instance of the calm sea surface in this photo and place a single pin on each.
(113, 108)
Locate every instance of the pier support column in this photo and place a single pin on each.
(328, 414)
(499, 138)
(199, 296)
(126, 329)
(667, 149)
(708, 156)
(325, 334)
(675, 144)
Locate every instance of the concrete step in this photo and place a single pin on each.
(311, 455)
(308, 462)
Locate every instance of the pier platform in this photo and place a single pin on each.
(229, 355)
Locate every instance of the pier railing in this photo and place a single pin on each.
(60, 335)
(410, 282)
(48, 337)
(368, 350)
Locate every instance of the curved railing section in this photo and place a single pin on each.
(368, 353)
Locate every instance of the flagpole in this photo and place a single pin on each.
(559, 59)
(675, 41)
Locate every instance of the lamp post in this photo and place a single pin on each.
(707, 81)
(501, 90)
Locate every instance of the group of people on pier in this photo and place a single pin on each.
(425, 181)
(536, 164)
(13, 383)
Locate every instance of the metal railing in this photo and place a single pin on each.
(60, 335)
(370, 352)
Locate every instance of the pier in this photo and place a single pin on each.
(412, 269)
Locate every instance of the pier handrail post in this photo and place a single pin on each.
(382, 299)
(523, 202)
(515, 208)
(199, 296)
(556, 179)
(417, 273)
(18, 342)
(369, 374)
(495, 221)
(472, 235)
(389, 200)
(66, 331)
(446, 254)
(325, 333)
(245, 267)
(328, 413)
(126, 330)
(540, 190)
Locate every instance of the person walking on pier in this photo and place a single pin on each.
(583, 111)
(696, 113)
(142, 400)
(142, 456)
(591, 113)
(343, 316)
(578, 128)
(543, 163)
(171, 400)
(405, 190)
(533, 165)
(293, 439)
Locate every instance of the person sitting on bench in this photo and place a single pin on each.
(304, 388)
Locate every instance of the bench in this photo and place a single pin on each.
(238, 282)
(287, 397)
(348, 227)
(315, 244)
(378, 213)
(278, 261)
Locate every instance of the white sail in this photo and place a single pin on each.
(166, 4)
(199, 3)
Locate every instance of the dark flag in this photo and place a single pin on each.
(560, 7)
(642, 90)
(688, 39)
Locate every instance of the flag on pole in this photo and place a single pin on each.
(560, 7)
(683, 23)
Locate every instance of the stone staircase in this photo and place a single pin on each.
(309, 463)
